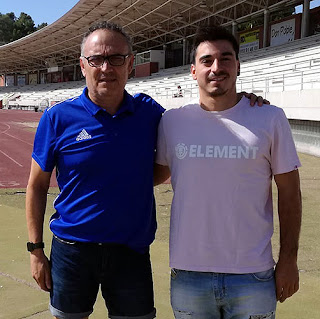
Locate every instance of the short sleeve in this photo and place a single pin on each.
(284, 157)
(161, 155)
(44, 144)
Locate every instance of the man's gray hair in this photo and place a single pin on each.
(106, 25)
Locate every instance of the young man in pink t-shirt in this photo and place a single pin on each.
(222, 155)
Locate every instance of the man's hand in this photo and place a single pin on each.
(255, 99)
(40, 269)
(160, 174)
(287, 279)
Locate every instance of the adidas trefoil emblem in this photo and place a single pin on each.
(83, 135)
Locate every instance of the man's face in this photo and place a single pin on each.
(106, 81)
(215, 68)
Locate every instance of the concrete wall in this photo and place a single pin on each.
(169, 103)
(302, 105)
(307, 143)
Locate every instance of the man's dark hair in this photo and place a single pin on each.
(213, 33)
(106, 25)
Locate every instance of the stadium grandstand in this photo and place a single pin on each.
(279, 55)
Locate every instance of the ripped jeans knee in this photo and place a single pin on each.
(270, 315)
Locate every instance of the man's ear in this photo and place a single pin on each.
(82, 67)
(193, 71)
(238, 73)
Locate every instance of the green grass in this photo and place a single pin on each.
(20, 297)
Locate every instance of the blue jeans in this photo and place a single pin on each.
(208, 295)
(79, 269)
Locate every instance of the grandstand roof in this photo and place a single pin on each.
(151, 23)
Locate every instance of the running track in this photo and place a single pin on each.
(17, 129)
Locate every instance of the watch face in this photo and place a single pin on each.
(30, 246)
(33, 246)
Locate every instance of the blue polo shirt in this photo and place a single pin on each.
(104, 169)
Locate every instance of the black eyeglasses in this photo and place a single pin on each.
(114, 59)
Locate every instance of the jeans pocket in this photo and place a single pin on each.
(266, 275)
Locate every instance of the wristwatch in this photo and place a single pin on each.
(33, 246)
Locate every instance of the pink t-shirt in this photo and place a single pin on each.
(222, 165)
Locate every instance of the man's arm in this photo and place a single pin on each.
(290, 211)
(160, 174)
(36, 200)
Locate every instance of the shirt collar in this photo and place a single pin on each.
(127, 104)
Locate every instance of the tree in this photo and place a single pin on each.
(13, 28)
(42, 25)
(6, 27)
(23, 26)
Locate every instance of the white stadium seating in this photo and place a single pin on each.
(276, 73)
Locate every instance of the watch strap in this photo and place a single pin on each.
(33, 246)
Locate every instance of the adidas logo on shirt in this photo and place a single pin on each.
(83, 135)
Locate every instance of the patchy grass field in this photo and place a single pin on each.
(20, 297)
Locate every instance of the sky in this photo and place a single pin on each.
(39, 10)
(313, 4)
(50, 11)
